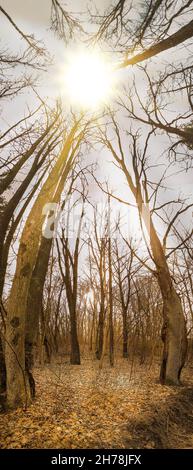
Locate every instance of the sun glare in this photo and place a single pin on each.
(88, 80)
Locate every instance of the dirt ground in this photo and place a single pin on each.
(120, 407)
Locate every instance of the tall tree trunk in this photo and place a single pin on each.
(125, 335)
(2, 352)
(11, 205)
(174, 334)
(100, 332)
(70, 281)
(36, 287)
(174, 337)
(34, 304)
(2, 368)
(75, 349)
(5, 247)
(92, 326)
(18, 388)
(111, 330)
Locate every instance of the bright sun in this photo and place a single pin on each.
(88, 80)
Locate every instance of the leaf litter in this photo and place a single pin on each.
(87, 407)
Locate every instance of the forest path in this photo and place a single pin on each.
(84, 407)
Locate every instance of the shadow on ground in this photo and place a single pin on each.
(165, 424)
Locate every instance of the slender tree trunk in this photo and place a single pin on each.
(56, 326)
(2, 368)
(75, 349)
(125, 335)
(104, 347)
(111, 330)
(48, 349)
(10, 175)
(100, 333)
(92, 326)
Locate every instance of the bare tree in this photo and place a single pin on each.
(35, 307)
(110, 288)
(154, 111)
(98, 250)
(68, 258)
(17, 381)
(145, 27)
(40, 151)
(65, 24)
(29, 39)
(174, 329)
(123, 272)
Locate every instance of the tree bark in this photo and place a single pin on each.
(174, 337)
(100, 331)
(18, 388)
(34, 304)
(111, 327)
(125, 335)
(184, 33)
(174, 334)
(75, 349)
(36, 287)
(12, 204)
(2, 368)
(9, 177)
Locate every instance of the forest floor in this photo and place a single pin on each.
(120, 407)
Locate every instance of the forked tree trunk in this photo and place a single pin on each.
(18, 386)
(174, 331)
(174, 334)
(35, 291)
(174, 339)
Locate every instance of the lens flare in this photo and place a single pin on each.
(88, 80)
